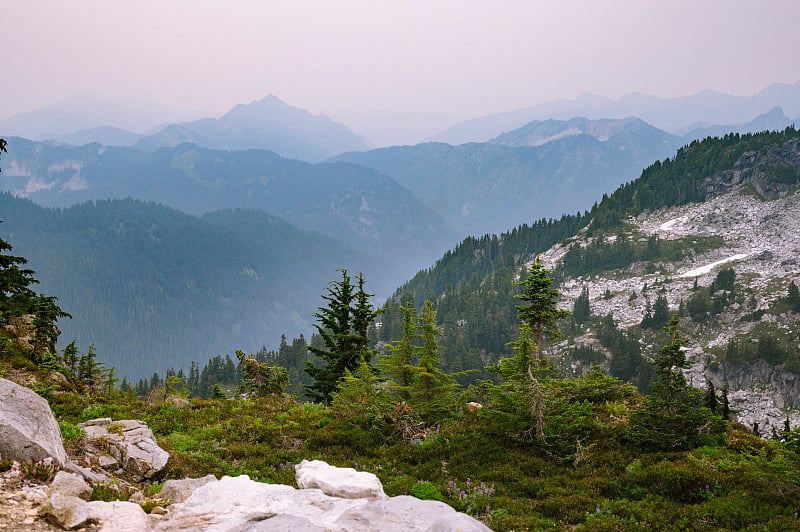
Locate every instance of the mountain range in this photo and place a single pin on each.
(276, 126)
(351, 203)
(676, 115)
(268, 124)
(90, 111)
(543, 169)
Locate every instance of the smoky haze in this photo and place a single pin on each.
(365, 62)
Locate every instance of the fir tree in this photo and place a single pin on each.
(524, 394)
(261, 380)
(343, 327)
(581, 311)
(540, 311)
(398, 363)
(673, 417)
(432, 390)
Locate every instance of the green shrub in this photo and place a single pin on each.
(426, 491)
(70, 432)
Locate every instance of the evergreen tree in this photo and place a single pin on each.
(432, 389)
(524, 396)
(711, 401)
(343, 328)
(581, 311)
(657, 316)
(217, 393)
(793, 297)
(70, 357)
(17, 298)
(398, 363)
(540, 311)
(673, 417)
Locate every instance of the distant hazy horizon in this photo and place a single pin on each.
(455, 59)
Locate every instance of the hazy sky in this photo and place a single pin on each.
(457, 58)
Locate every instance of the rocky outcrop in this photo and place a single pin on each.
(344, 482)
(28, 430)
(66, 503)
(759, 240)
(131, 447)
(176, 491)
(238, 503)
(21, 330)
(766, 172)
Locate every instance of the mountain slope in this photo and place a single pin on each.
(718, 204)
(268, 124)
(350, 203)
(490, 187)
(155, 288)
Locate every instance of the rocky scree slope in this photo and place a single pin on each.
(758, 239)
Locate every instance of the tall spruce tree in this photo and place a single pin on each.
(343, 327)
(432, 389)
(523, 397)
(540, 311)
(674, 417)
(397, 364)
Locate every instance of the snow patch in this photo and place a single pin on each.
(667, 225)
(75, 183)
(563, 134)
(708, 267)
(35, 185)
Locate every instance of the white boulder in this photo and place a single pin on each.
(119, 516)
(65, 510)
(28, 430)
(343, 482)
(240, 504)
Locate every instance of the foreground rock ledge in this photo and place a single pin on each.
(28, 430)
(238, 503)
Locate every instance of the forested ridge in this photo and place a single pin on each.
(153, 288)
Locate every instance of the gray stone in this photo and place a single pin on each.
(239, 504)
(87, 474)
(131, 444)
(72, 485)
(343, 482)
(67, 511)
(107, 462)
(280, 523)
(179, 490)
(28, 430)
(119, 516)
(406, 514)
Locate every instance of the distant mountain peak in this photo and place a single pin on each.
(540, 132)
(266, 124)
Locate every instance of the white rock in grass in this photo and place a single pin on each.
(344, 482)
